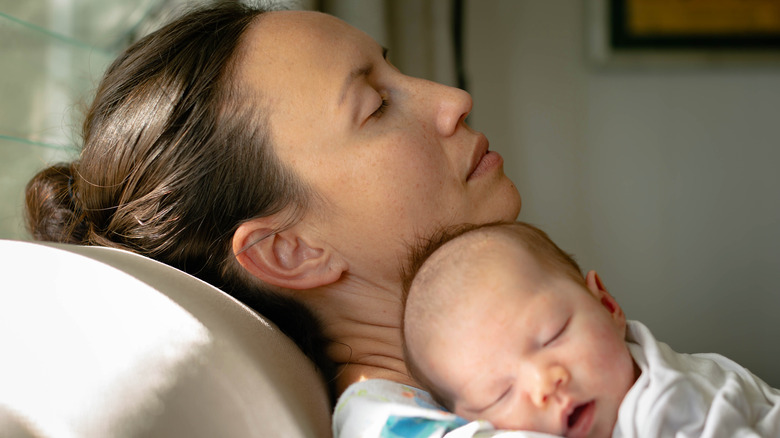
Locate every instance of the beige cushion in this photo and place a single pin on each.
(100, 342)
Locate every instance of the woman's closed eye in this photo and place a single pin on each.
(385, 103)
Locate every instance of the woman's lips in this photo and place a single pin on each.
(489, 161)
(484, 160)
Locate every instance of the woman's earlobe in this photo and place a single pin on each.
(285, 258)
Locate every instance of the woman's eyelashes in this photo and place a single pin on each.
(382, 107)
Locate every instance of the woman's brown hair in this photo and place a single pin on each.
(175, 157)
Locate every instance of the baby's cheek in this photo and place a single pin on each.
(623, 366)
(613, 354)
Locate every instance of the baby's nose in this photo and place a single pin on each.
(549, 381)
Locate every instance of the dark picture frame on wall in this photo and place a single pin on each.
(653, 32)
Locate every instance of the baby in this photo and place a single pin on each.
(500, 325)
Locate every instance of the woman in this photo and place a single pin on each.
(279, 156)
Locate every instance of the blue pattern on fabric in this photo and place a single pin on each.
(417, 427)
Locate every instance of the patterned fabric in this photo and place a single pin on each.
(385, 409)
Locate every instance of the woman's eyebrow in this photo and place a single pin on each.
(360, 72)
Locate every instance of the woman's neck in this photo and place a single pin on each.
(363, 322)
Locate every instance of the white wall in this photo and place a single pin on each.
(663, 180)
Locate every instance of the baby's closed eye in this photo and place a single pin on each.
(560, 331)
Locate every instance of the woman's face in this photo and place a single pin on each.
(390, 155)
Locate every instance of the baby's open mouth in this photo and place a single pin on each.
(575, 415)
(580, 420)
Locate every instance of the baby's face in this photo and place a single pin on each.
(528, 350)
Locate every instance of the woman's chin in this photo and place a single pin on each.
(512, 203)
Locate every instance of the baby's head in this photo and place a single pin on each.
(501, 325)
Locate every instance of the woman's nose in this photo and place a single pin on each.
(549, 380)
(451, 106)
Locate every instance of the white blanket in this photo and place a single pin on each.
(693, 395)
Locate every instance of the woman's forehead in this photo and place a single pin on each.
(301, 58)
(303, 39)
(297, 25)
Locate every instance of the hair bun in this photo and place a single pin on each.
(53, 211)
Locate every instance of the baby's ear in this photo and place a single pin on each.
(597, 289)
(289, 258)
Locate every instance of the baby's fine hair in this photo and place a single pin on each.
(549, 255)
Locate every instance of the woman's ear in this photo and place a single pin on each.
(597, 289)
(286, 258)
